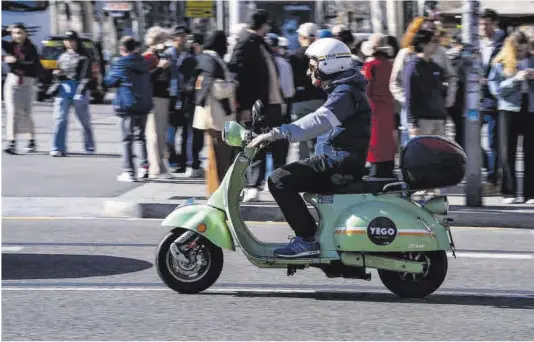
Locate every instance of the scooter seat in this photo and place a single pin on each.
(364, 186)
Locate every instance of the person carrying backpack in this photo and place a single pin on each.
(133, 100)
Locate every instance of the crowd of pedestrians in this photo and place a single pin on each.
(193, 83)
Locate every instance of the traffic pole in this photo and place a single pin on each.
(471, 54)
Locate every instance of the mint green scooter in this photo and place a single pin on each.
(370, 224)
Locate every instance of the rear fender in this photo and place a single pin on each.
(195, 217)
(414, 229)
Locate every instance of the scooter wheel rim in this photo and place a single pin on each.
(182, 274)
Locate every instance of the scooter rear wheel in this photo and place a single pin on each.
(410, 285)
(192, 276)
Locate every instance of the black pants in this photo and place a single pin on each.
(457, 115)
(382, 169)
(133, 129)
(224, 153)
(511, 125)
(318, 174)
(197, 143)
(279, 149)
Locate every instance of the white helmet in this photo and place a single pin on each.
(332, 56)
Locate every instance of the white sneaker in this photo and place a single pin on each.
(57, 154)
(125, 177)
(510, 200)
(195, 173)
(142, 172)
(165, 175)
(251, 195)
(530, 201)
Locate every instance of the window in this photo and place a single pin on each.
(51, 52)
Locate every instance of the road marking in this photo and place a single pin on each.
(273, 291)
(482, 255)
(11, 249)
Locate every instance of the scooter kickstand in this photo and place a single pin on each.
(291, 269)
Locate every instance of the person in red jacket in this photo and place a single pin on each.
(377, 70)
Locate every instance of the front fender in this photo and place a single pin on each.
(190, 216)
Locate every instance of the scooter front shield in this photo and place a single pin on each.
(203, 219)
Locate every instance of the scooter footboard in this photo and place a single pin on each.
(203, 219)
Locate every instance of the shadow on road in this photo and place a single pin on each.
(72, 154)
(55, 266)
(436, 299)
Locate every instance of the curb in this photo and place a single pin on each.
(462, 216)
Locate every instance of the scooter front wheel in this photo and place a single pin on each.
(189, 272)
(410, 285)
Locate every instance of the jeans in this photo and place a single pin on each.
(133, 129)
(403, 129)
(279, 149)
(197, 143)
(61, 117)
(318, 174)
(491, 157)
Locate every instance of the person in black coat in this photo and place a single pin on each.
(250, 66)
(257, 78)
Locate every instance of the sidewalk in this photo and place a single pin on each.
(82, 185)
(158, 199)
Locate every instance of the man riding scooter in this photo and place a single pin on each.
(342, 127)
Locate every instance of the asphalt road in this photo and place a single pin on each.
(69, 279)
(78, 175)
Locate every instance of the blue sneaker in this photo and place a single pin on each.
(297, 248)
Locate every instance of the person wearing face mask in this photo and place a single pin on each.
(23, 60)
(342, 127)
(511, 81)
(73, 75)
(214, 100)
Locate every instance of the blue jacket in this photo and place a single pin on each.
(507, 90)
(488, 102)
(342, 125)
(129, 74)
